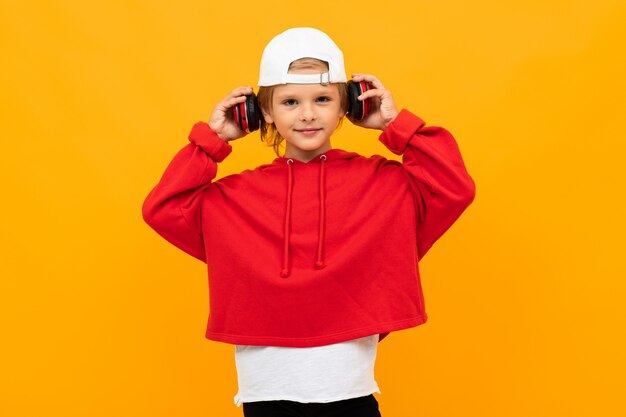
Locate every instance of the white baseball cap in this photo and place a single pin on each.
(298, 43)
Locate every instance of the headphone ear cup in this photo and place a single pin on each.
(253, 113)
(367, 103)
(358, 109)
(247, 115)
(237, 110)
(355, 107)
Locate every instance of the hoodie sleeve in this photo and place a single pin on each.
(173, 207)
(441, 185)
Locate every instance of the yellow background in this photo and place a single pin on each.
(525, 293)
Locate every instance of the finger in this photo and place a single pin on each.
(227, 103)
(375, 92)
(369, 78)
(239, 91)
(231, 102)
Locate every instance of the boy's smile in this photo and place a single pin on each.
(308, 132)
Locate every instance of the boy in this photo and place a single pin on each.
(311, 257)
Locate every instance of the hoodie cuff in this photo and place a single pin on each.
(202, 136)
(398, 133)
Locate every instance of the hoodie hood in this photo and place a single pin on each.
(291, 164)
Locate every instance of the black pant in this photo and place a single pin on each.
(354, 407)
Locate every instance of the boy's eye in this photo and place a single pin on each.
(293, 102)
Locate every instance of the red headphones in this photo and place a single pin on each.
(247, 115)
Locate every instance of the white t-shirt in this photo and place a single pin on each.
(315, 374)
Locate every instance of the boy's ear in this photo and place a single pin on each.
(268, 117)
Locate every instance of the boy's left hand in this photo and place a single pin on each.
(383, 110)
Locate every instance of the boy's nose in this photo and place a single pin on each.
(307, 113)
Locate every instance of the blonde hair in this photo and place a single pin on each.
(269, 133)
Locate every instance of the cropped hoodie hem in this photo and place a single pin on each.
(382, 329)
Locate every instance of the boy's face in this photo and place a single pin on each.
(306, 115)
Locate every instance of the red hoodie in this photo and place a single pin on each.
(303, 254)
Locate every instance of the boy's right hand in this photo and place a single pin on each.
(222, 121)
